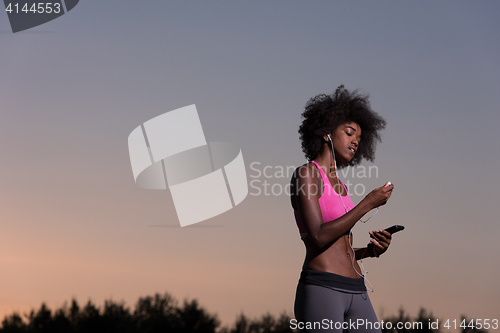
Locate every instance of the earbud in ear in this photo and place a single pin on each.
(329, 139)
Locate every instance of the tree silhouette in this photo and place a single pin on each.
(13, 324)
(162, 313)
(152, 314)
(241, 325)
(266, 324)
(192, 318)
(156, 314)
(424, 318)
(466, 327)
(418, 324)
(41, 321)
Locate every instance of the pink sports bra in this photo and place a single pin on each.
(329, 202)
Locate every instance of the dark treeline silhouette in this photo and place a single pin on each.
(162, 313)
(266, 324)
(159, 313)
(423, 323)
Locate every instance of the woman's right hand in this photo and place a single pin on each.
(379, 196)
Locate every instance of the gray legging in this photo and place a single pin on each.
(321, 309)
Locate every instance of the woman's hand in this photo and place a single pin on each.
(379, 196)
(380, 240)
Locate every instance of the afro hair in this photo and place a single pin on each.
(324, 113)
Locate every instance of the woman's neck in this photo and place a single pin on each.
(326, 161)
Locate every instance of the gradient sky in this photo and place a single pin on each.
(74, 224)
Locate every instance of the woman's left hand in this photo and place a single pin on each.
(381, 240)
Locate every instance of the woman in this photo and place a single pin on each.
(336, 131)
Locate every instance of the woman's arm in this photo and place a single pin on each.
(379, 244)
(362, 253)
(307, 193)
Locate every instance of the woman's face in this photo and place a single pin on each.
(346, 140)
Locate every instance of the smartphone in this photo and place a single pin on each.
(394, 229)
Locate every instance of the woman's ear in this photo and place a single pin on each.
(327, 137)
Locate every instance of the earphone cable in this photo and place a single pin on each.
(350, 232)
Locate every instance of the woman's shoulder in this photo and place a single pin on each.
(302, 169)
(307, 172)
